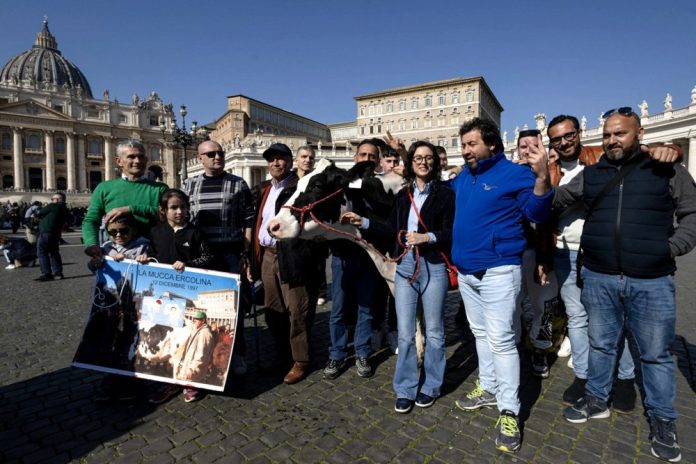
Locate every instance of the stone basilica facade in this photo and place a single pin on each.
(55, 135)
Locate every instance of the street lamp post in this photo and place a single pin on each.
(183, 138)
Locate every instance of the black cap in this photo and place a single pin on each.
(277, 148)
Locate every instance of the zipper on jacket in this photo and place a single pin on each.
(617, 229)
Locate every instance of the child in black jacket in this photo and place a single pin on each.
(176, 241)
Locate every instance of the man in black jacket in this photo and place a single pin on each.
(630, 244)
(290, 270)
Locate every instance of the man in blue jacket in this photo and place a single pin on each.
(493, 196)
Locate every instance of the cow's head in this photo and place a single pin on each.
(323, 181)
(315, 192)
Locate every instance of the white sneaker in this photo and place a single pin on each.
(10, 266)
(377, 337)
(570, 362)
(321, 301)
(239, 366)
(393, 341)
(564, 349)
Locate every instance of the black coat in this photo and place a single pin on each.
(437, 213)
(186, 245)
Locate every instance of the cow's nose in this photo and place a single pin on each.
(274, 227)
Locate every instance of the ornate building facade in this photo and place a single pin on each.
(433, 111)
(55, 135)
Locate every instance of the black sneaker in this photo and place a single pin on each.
(663, 439)
(624, 396)
(575, 391)
(424, 401)
(364, 368)
(59, 276)
(403, 405)
(587, 407)
(333, 368)
(44, 278)
(540, 366)
(509, 438)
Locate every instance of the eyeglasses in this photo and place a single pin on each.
(213, 154)
(569, 137)
(421, 159)
(624, 110)
(114, 232)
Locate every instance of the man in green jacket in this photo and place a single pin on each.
(132, 192)
(52, 218)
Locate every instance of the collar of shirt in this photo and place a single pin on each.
(280, 184)
(124, 177)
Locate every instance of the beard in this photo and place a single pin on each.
(616, 153)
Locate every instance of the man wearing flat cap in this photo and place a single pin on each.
(287, 269)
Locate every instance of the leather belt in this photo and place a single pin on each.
(271, 249)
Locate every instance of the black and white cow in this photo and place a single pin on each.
(314, 193)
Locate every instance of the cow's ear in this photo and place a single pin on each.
(361, 170)
(336, 177)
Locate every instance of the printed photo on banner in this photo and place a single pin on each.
(149, 321)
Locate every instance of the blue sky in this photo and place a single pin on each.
(313, 57)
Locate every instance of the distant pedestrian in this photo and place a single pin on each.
(53, 217)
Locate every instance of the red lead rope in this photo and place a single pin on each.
(308, 209)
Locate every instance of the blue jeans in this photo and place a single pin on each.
(430, 286)
(648, 308)
(50, 261)
(577, 317)
(356, 277)
(490, 304)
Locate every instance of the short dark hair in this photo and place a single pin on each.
(389, 153)
(409, 175)
(490, 134)
(527, 133)
(126, 219)
(563, 117)
(440, 149)
(373, 142)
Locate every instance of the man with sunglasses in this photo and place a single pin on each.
(131, 193)
(223, 210)
(565, 137)
(630, 243)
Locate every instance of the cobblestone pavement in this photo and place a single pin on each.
(47, 412)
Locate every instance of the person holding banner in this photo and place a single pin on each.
(177, 242)
(131, 193)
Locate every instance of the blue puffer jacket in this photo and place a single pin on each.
(490, 206)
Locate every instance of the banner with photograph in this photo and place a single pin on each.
(149, 321)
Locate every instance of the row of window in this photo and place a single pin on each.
(403, 124)
(379, 108)
(94, 146)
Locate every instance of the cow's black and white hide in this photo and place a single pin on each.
(361, 186)
(151, 340)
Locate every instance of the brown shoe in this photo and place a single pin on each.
(298, 372)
